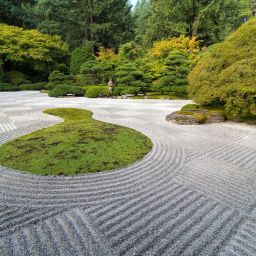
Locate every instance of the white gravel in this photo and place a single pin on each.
(193, 194)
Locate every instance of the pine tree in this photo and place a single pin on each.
(176, 72)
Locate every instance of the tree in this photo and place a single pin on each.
(108, 22)
(80, 55)
(177, 67)
(141, 12)
(31, 48)
(226, 73)
(211, 20)
(15, 12)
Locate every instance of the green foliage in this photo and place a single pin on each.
(78, 145)
(210, 20)
(15, 12)
(58, 77)
(33, 87)
(97, 91)
(93, 92)
(127, 74)
(177, 67)
(64, 90)
(6, 87)
(96, 72)
(108, 22)
(17, 78)
(226, 73)
(31, 49)
(81, 55)
(130, 51)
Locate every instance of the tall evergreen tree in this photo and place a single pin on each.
(14, 12)
(108, 22)
(211, 20)
(141, 12)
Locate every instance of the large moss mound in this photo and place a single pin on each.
(226, 74)
(78, 145)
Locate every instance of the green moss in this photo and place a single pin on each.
(78, 145)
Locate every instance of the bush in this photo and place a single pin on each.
(33, 87)
(105, 93)
(81, 55)
(176, 71)
(93, 92)
(17, 78)
(117, 91)
(6, 87)
(131, 90)
(78, 91)
(59, 78)
(226, 73)
(64, 90)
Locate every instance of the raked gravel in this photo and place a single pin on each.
(193, 194)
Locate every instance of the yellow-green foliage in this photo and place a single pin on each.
(227, 73)
(163, 49)
(20, 45)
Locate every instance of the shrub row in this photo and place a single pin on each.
(65, 89)
(6, 87)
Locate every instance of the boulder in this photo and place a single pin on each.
(181, 119)
(195, 117)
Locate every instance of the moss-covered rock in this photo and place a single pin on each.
(195, 117)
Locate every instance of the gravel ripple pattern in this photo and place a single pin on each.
(193, 194)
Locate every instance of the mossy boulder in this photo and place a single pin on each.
(196, 117)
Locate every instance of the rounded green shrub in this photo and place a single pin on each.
(17, 78)
(61, 90)
(93, 92)
(105, 93)
(33, 87)
(78, 91)
(6, 87)
(65, 89)
(225, 74)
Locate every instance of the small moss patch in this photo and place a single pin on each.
(78, 145)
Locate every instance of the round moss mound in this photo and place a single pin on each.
(78, 145)
(225, 74)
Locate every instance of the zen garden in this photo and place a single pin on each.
(128, 127)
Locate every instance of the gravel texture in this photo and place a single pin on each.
(193, 194)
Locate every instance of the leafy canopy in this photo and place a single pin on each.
(30, 46)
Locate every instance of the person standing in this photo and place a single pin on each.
(110, 86)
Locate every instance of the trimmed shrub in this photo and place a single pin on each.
(105, 93)
(60, 90)
(226, 73)
(17, 78)
(117, 91)
(78, 91)
(176, 71)
(131, 90)
(93, 92)
(6, 87)
(33, 87)
(59, 78)
(64, 90)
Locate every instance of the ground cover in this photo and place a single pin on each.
(78, 145)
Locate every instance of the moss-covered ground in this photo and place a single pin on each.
(78, 145)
